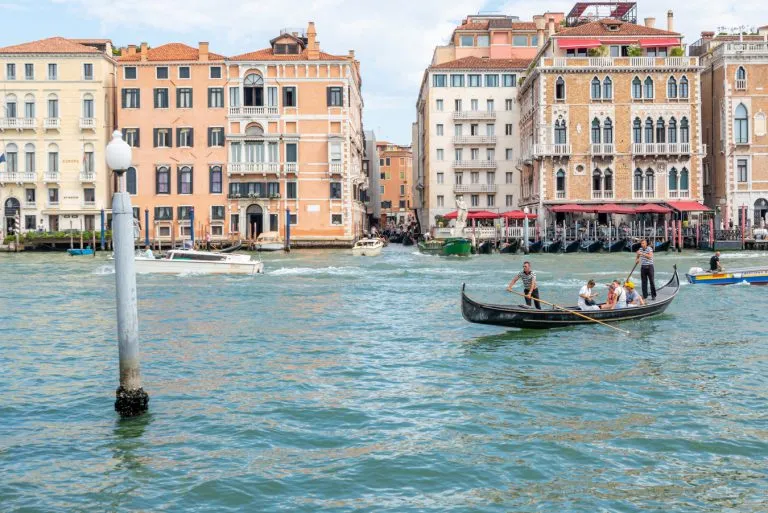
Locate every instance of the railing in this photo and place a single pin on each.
(87, 123)
(51, 123)
(474, 139)
(643, 194)
(514, 232)
(661, 148)
(755, 47)
(89, 203)
(51, 204)
(253, 111)
(543, 150)
(598, 195)
(18, 123)
(679, 194)
(560, 194)
(291, 167)
(474, 164)
(51, 176)
(614, 62)
(261, 195)
(602, 149)
(17, 177)
(335, 168)
(87, 176)
(474, 187)
(480, 232)
(30, 204)
(253, 167)
(474, 114)
(741, 84)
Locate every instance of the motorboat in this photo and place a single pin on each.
(183, 261)
(367, 247)
(752, 275)
(454, 246)
(269, 241)
(80, 252)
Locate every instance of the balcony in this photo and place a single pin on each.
(291, 167)
(52, 123)
(30, 204)
(51, 204)
(619, 62)
(551, 150)
(605, 150)
(244, 168)
(741, 84)
(661, 148)
(474, 164)
(51, 177)
(261, 195)
(335, 168)
(18, 123)
(253, 111)
(17, 177)
(602, 195)
(759, 48)
(88, 123)
(474, 114)
(639, 195)
(87, 176)
(474, 139)
(560, 195)
(679, 194)
(89, 203)
(474, 187)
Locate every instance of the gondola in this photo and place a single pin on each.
(535, 247)
(511, 247)
(407, 240)
(521, 316)
(553, 246)
(485, 247)
(632, 247)
(234, 247)
(662, 246)
(591, 246)
(573, 247)
(615, 247)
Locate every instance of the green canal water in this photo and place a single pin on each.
(341, 384)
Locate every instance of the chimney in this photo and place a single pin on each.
(351, 55)
(540, 38)
(203, 51)
(313, 45)
(707, 35)
(650, 22)
(670, 21)
(540, 22)
(143, 52)
(551, 27)
(131, 50)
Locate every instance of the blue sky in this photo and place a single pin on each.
(393, 40)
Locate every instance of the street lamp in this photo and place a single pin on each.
(131, 399)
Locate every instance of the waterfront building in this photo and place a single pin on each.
(372, 196)
(466, 135)
(734, 109)
(172, 111)
(295, 142)
(395, 176)
(610, 113)
(57, 114)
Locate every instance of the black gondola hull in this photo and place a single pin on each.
(510, 248)
(553, 247)
(573, 247)
(535, 247)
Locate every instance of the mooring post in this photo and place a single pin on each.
(287, 229)
(146, 228)
(131, 399)
(103, 219)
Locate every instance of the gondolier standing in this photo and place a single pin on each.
(529, 284)
(645, 258)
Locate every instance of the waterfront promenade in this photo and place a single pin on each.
(334, 383)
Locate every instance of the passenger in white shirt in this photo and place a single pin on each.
(621, 296)
(586, 297)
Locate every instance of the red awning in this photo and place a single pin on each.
(613, 208)
(517, 214)
(652, 208)
(661, 41)
(476, 214)
(570, 44)
(572, 209)
(688, 206)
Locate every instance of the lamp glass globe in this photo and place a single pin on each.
(118, 153)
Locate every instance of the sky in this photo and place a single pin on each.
(393, 39)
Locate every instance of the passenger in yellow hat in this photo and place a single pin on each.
(633, 298)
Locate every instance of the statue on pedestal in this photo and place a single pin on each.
(461, 217)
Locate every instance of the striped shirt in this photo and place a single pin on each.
(527, 278)
(646, 256)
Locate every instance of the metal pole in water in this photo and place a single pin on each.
(146, 228)
(525, 230)
(287, 229)
(103, 219)
(192, 225)
(131, 399)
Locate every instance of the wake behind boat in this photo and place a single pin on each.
(183, 261)
(521, 316)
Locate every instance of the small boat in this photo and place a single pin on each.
(573, 247)
(591, 246)
(632, 247)
(269, 241)
(80, 252)
(407, 240)
(234, 247)
(182, 261)
(752, 275)
(522, 316)
(661, 246)
(485, 247)
(552, 246)
(510, 247)
(456, 246)
(614, 247)
(367, 247)
(535, 247)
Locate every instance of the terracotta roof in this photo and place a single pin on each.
(170, 52)
(92, 41)
(473, 25)
(50, 45)
(600, 28)
(480, 63)
(267, 55)
(523, 25)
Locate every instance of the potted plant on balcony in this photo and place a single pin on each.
(600, 51)
(634, 51)
(676, 52)
(274, 195)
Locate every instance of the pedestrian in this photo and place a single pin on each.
(714, 263)
(645, 258)
(531, 289)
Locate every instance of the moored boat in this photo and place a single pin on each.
(367, 247)
(456, 246)
(752, 275)
(591, 246)
(407, 240)
(553, 246)
(485, 247)
(615, 246)
(183, 261)
(80, 252)
(510, 247)
(269, 241)
(573, 247)
(535, 247)
(522, 316)
(661, 246)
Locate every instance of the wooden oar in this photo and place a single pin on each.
(631, 272)
(574, 313)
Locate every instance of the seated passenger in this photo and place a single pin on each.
(586, 297)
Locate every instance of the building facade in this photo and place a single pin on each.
(610, 113)
(395, 183)
(295, 142)
(371, 171)
(734, 109)
(172, 111)
(54, 127)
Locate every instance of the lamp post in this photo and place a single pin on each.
(131, 399)
(526, 211)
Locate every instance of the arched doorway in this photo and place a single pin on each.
(255, 216)
(761, 212)
(12, 208)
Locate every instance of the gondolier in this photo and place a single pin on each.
(645, 258)
(529, 284)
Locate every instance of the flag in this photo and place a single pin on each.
(2, 158)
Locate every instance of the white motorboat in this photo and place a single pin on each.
(183, 261)
(367, 247)
(269, 241)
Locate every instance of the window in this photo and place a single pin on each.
(216, 136)
(162, 182)
(508, 129)
(184, 213)
(741, 125)
(560, 89)
(637, 131)
(439, 129)
(234, 97)
(597, 180)
(475, 200)
(29, 158)
(509, 80)
(161, 98)
(457, 80)
(439, 154)
(215, 180)
(10, 106)
(741, 170)
(509, 177)
(491, 200)
(439, 80)
(53, 159)
(467, 41)
(648, 89)
(291, 152)
(440, 201)
(88, 159)
(684, 180)
(508, 104)
(474, 80)
(131, 98)
(608, 131)
(473, 129)
(660, 133)
(458, 129)
(131, 137)
(215, 72)
(637, 88)
(185, 180)
(483, 40)
(29, 222)
(335, 190)
(162, 137)
(439, 105)
(561, 132)
(10, 71)
(457, 105)
(648, 130)
(52, 72)
(684, 132)
(474, 105)
(595, 131)
(87, 71)
(388, 160)
(184, 72)
(29, 72)
(491, 81)
(683, 89)
(672, 131)
(129, 73)
(53, 196)
(335, 97)
(638, 180)
(489, 105)
(741, 78)
(184, 98)
(560, 183)
(650, 183)
(184, 137)
(490, 177)
(607, 88)
(475, 177)
(596, 89)
(290, 190)
(215, 97)
(671, 88)
(458, 178)
(130, 181)
(11, 158)
(440, 178)
(520, 41)
(289, 96)
(402, 190)
(608, 180)
(673, 179)
(88, 110)
(89, 195)
(490, 129)
(509, 200)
